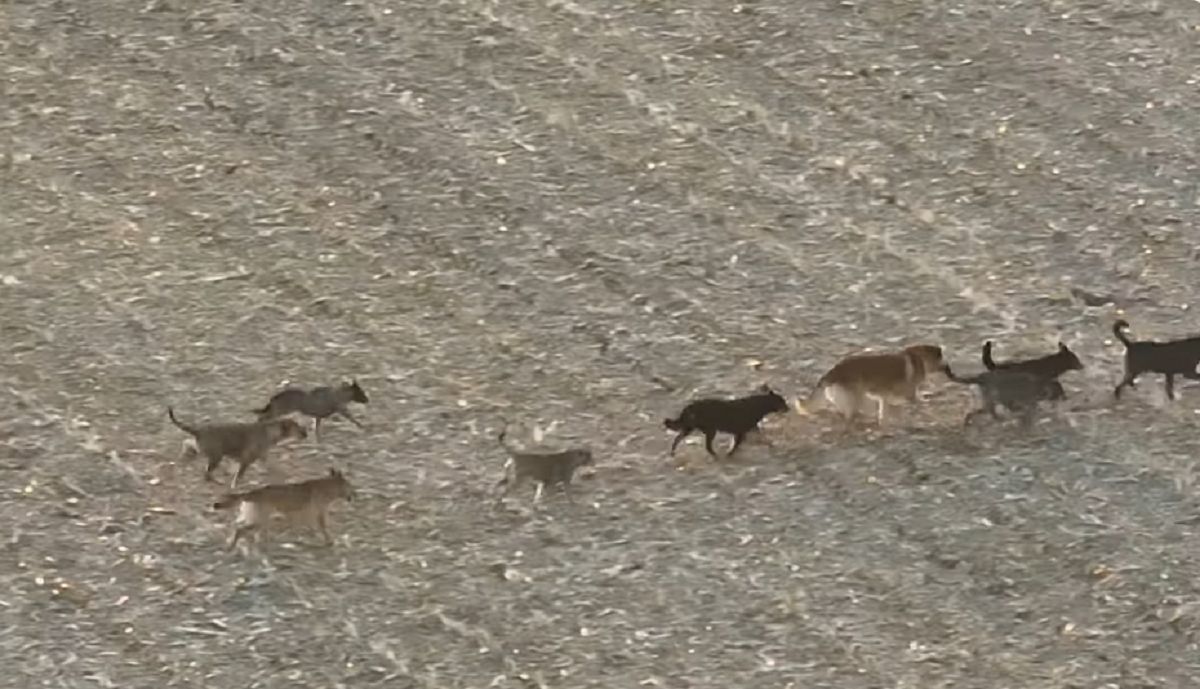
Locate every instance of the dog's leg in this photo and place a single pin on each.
(972, 415)
(881, 412)
(323, 525)
(709, 437)
(991, 407)
(188, 449)
(1027, 416)
(345, 413)
(501, 489)
(737, 440)
(239, 531)
(262, 534)
(214, 460)
(1126, 381)
(843, 400)
(1170, 380)
(237, 475)
(679, 438)
(566, 489)
(317, 429)
(537, 494)
(846, 402)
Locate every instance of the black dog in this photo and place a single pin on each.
(319, 403)
(1049, 366)
(736, 416)
(1171, 358)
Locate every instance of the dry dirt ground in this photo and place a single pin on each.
(573, 216)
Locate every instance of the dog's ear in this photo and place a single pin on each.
(334, 473)
(1061, 347)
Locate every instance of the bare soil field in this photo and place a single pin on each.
(573, 216)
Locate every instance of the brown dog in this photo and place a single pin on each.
(306, 501)
(880, 377)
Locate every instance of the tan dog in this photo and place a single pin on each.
(880, 377)
(306, 501)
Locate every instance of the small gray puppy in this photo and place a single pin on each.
(544, 468)
(245, 442)
(1018, 391)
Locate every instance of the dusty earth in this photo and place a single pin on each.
(572, 216)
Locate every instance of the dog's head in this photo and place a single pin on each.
(341, 487)
(357, 394)
(289, 428)
(1072, 361)
(928, 357)
(580, 457)
(774, 401)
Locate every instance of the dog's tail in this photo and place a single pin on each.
(805, 405)
(503, 440)
(685, 420)
(504, 472)
(180, 424)
(973, 380)
(988, 361)
(1119, 331)
(271, 409)
(228, 500)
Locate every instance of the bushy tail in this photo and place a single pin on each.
(987, 356)
(503, 482)
(1119, 332)
(230, 500)
(815, 399)
(180, 424)
(503, 440)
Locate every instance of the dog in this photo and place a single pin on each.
(1018, 391)
(1049, 366)
(544, 468)
(737, 417)
(245, 442)
(1171, 358)
(319, 403)
(307, 501)
(879, 377)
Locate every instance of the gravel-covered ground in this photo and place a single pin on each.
(572, 216)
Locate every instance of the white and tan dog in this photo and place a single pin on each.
(880, 377)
